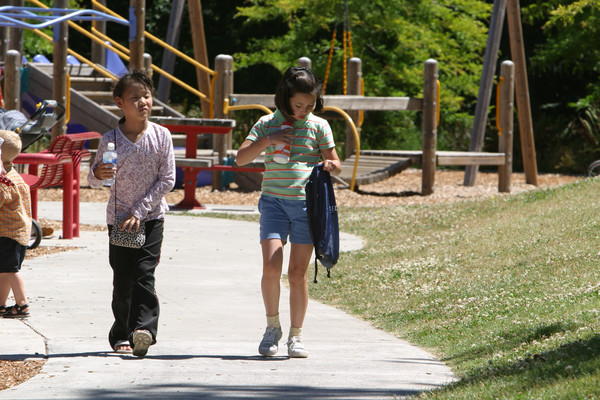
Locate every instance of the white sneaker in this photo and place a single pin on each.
(142, 339)
(296, 348)
(270, 341)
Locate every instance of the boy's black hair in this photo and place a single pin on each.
(131, 77)
(298, 80)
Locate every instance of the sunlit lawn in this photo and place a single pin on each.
(504, 290)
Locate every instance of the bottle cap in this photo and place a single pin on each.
(110, 146)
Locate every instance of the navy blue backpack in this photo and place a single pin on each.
(322, 218)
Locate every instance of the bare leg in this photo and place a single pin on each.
(18, 287)
(272, 250)
(4, 288)
(297, 274)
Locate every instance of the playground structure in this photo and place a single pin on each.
(216, 95)
(381, 164)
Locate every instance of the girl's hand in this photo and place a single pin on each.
(282, 137)
(105, 171)
(130, 223)
(332, 166)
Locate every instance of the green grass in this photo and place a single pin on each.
(506, 291)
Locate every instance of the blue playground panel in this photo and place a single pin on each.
(114, 63)
(204, 178)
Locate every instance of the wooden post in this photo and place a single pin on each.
(200, 53)
(59, 67)
(517, 50)
(4, 42)
(354, 88)
(98, 51)
(505, 141)
(12, 80)
(485, 87)
(16, 34)
(430, 107)
(223, 88)
(148, 64)
(137, 12)
(168, 58)
(305, 62)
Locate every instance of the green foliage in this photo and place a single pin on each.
(393, 40)
(33, 44)
(564, 68)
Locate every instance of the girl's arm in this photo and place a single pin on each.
(331, 163)
(98, 170)
(249, 150)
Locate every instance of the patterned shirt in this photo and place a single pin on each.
(287, 181)
(145, 173)
(15, 209)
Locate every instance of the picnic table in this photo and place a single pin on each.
(193, 161)
(60, 166)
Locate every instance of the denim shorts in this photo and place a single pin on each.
(280, 218)
(12, 254)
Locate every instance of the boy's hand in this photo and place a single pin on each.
(105, 171)
(4, 180)
(130, 223)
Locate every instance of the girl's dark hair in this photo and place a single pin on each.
(298, 80)
(130, 78)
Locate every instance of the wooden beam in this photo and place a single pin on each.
(354, 88)
(12, 80)
(429, 129)
(517, 51)
(200, 52)
(136, 44)
(485, 87)
(340, 101)
(59, 67)
(168, 58)
(506, 120)
(98, 51)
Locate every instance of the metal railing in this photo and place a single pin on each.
(125, 51)
(98, 37)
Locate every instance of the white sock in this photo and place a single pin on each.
(295, 331)
(273, 321)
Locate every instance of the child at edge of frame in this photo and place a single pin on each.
(144, 174)
(282, 204)
(15, 228)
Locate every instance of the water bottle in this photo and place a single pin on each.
(109, 156)
(283, 151)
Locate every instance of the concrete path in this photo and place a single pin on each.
(211, 322)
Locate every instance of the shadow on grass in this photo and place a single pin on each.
(567, 362)
(513, 339)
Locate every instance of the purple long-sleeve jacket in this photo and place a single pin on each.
(145, 173)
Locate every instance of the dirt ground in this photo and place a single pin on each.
(401, 189)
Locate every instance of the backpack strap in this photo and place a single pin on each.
(316, 269)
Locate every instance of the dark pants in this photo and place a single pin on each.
(134, 301)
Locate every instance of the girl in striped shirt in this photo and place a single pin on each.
(283, 201)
